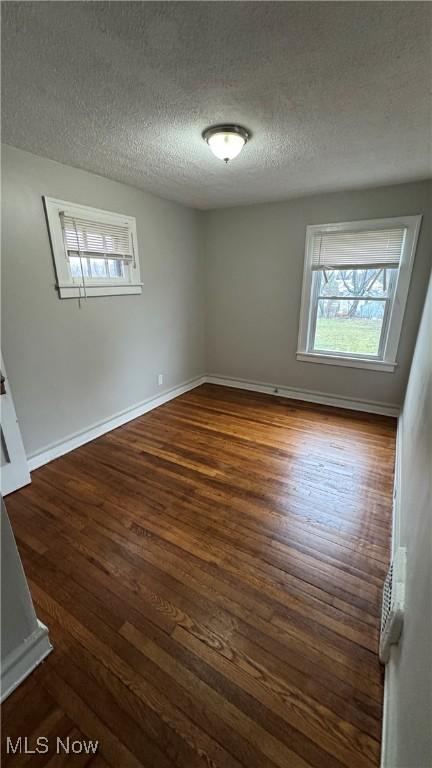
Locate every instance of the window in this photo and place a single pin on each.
(355, 285)
(95, 252)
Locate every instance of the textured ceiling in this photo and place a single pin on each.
(336, 94)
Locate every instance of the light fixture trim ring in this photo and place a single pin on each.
(226, 128)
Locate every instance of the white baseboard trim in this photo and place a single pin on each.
(386, 715)
(307, 395)
(96, 430)
(77, 439)
(397, 489)
(24, 659)
(389, 701)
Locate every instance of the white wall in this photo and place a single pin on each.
(254, 268)
(408, 695)
(70, 368)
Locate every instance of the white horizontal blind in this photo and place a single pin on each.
(360, 249)
(96, 239)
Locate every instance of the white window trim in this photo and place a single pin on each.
(67, 286)
(387, 361)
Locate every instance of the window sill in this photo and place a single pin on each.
(349, 362)
(76, 292)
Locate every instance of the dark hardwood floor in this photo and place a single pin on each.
(211, 576)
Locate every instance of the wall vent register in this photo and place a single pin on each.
(393, 605)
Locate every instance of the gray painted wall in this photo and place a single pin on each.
(18, 615)
(408, 742)
(241, 268)
(24, 639)
(70, 368)
(254, 269)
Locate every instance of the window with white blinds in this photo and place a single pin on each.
(96, 239)
(95, 251)
(355, 286)
(358, 249)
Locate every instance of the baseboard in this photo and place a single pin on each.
(96, 430)
(24, 659)
(396, 517)
(307, 395)
(58, 449)
(389, 695)
(385, 717)
(388, 717)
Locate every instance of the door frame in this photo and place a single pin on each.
(15, 472)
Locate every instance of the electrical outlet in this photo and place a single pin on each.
(160, 379)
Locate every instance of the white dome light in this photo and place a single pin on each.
(226, 141)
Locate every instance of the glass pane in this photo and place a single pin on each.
(115, 268)
(98, 267)
(350, 326)
(356, 282)
(75, 267)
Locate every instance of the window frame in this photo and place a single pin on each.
(390, 335)
(67, 285)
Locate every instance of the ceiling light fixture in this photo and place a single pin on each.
(226, 141)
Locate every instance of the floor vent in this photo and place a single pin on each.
(393, 605)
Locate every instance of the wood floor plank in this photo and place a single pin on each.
(93, 728)
(211, 575)
(263, 742)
